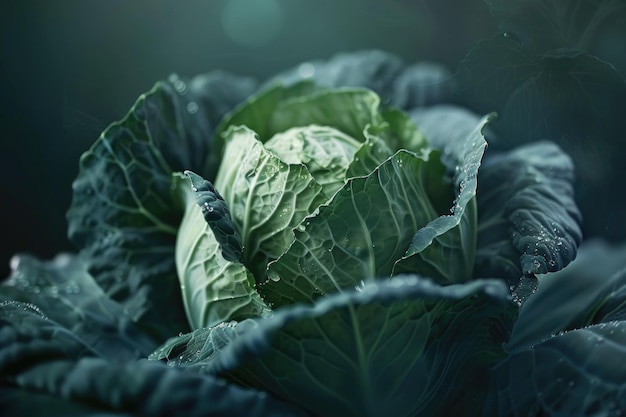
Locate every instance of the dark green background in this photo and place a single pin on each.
(70, 67)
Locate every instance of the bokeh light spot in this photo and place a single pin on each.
(251, 22)
(306, 70)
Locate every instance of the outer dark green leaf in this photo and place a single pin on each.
(41, 360)
(65, 293)
(403, 347)
(19, 402)
(146, 389)
(28, 337)
(123, 216)
(569, 344)
(528, 220)
(577, 373)
(373, 69)
(423, 84)
(589, 291)
(215, 212)
(398, 85)
(358, 235)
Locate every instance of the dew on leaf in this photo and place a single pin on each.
(192, 107)
(306, 70)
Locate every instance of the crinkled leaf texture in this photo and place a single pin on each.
(214, 287)
(41, 360)
(568, 347)
(63, 291)
(358, 235)
(280, 107)
(324, 150)
(267, 197)
(403, 216)
(591, 290)
(528, 221)
(217, 215)
(401, 347)
(123, 215)
(578, 373)
(446, 247)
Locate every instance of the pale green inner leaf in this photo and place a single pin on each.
(358, 235)
(213, 289)
(325, 151)
(267, 197)
(446, 248)
(346, 109)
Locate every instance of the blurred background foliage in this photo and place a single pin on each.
(71, 67)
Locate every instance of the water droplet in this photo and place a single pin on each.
(192, 107)
(273, 276)
(14, 263)
(71, 288)
(180, 86)
(306, 70)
